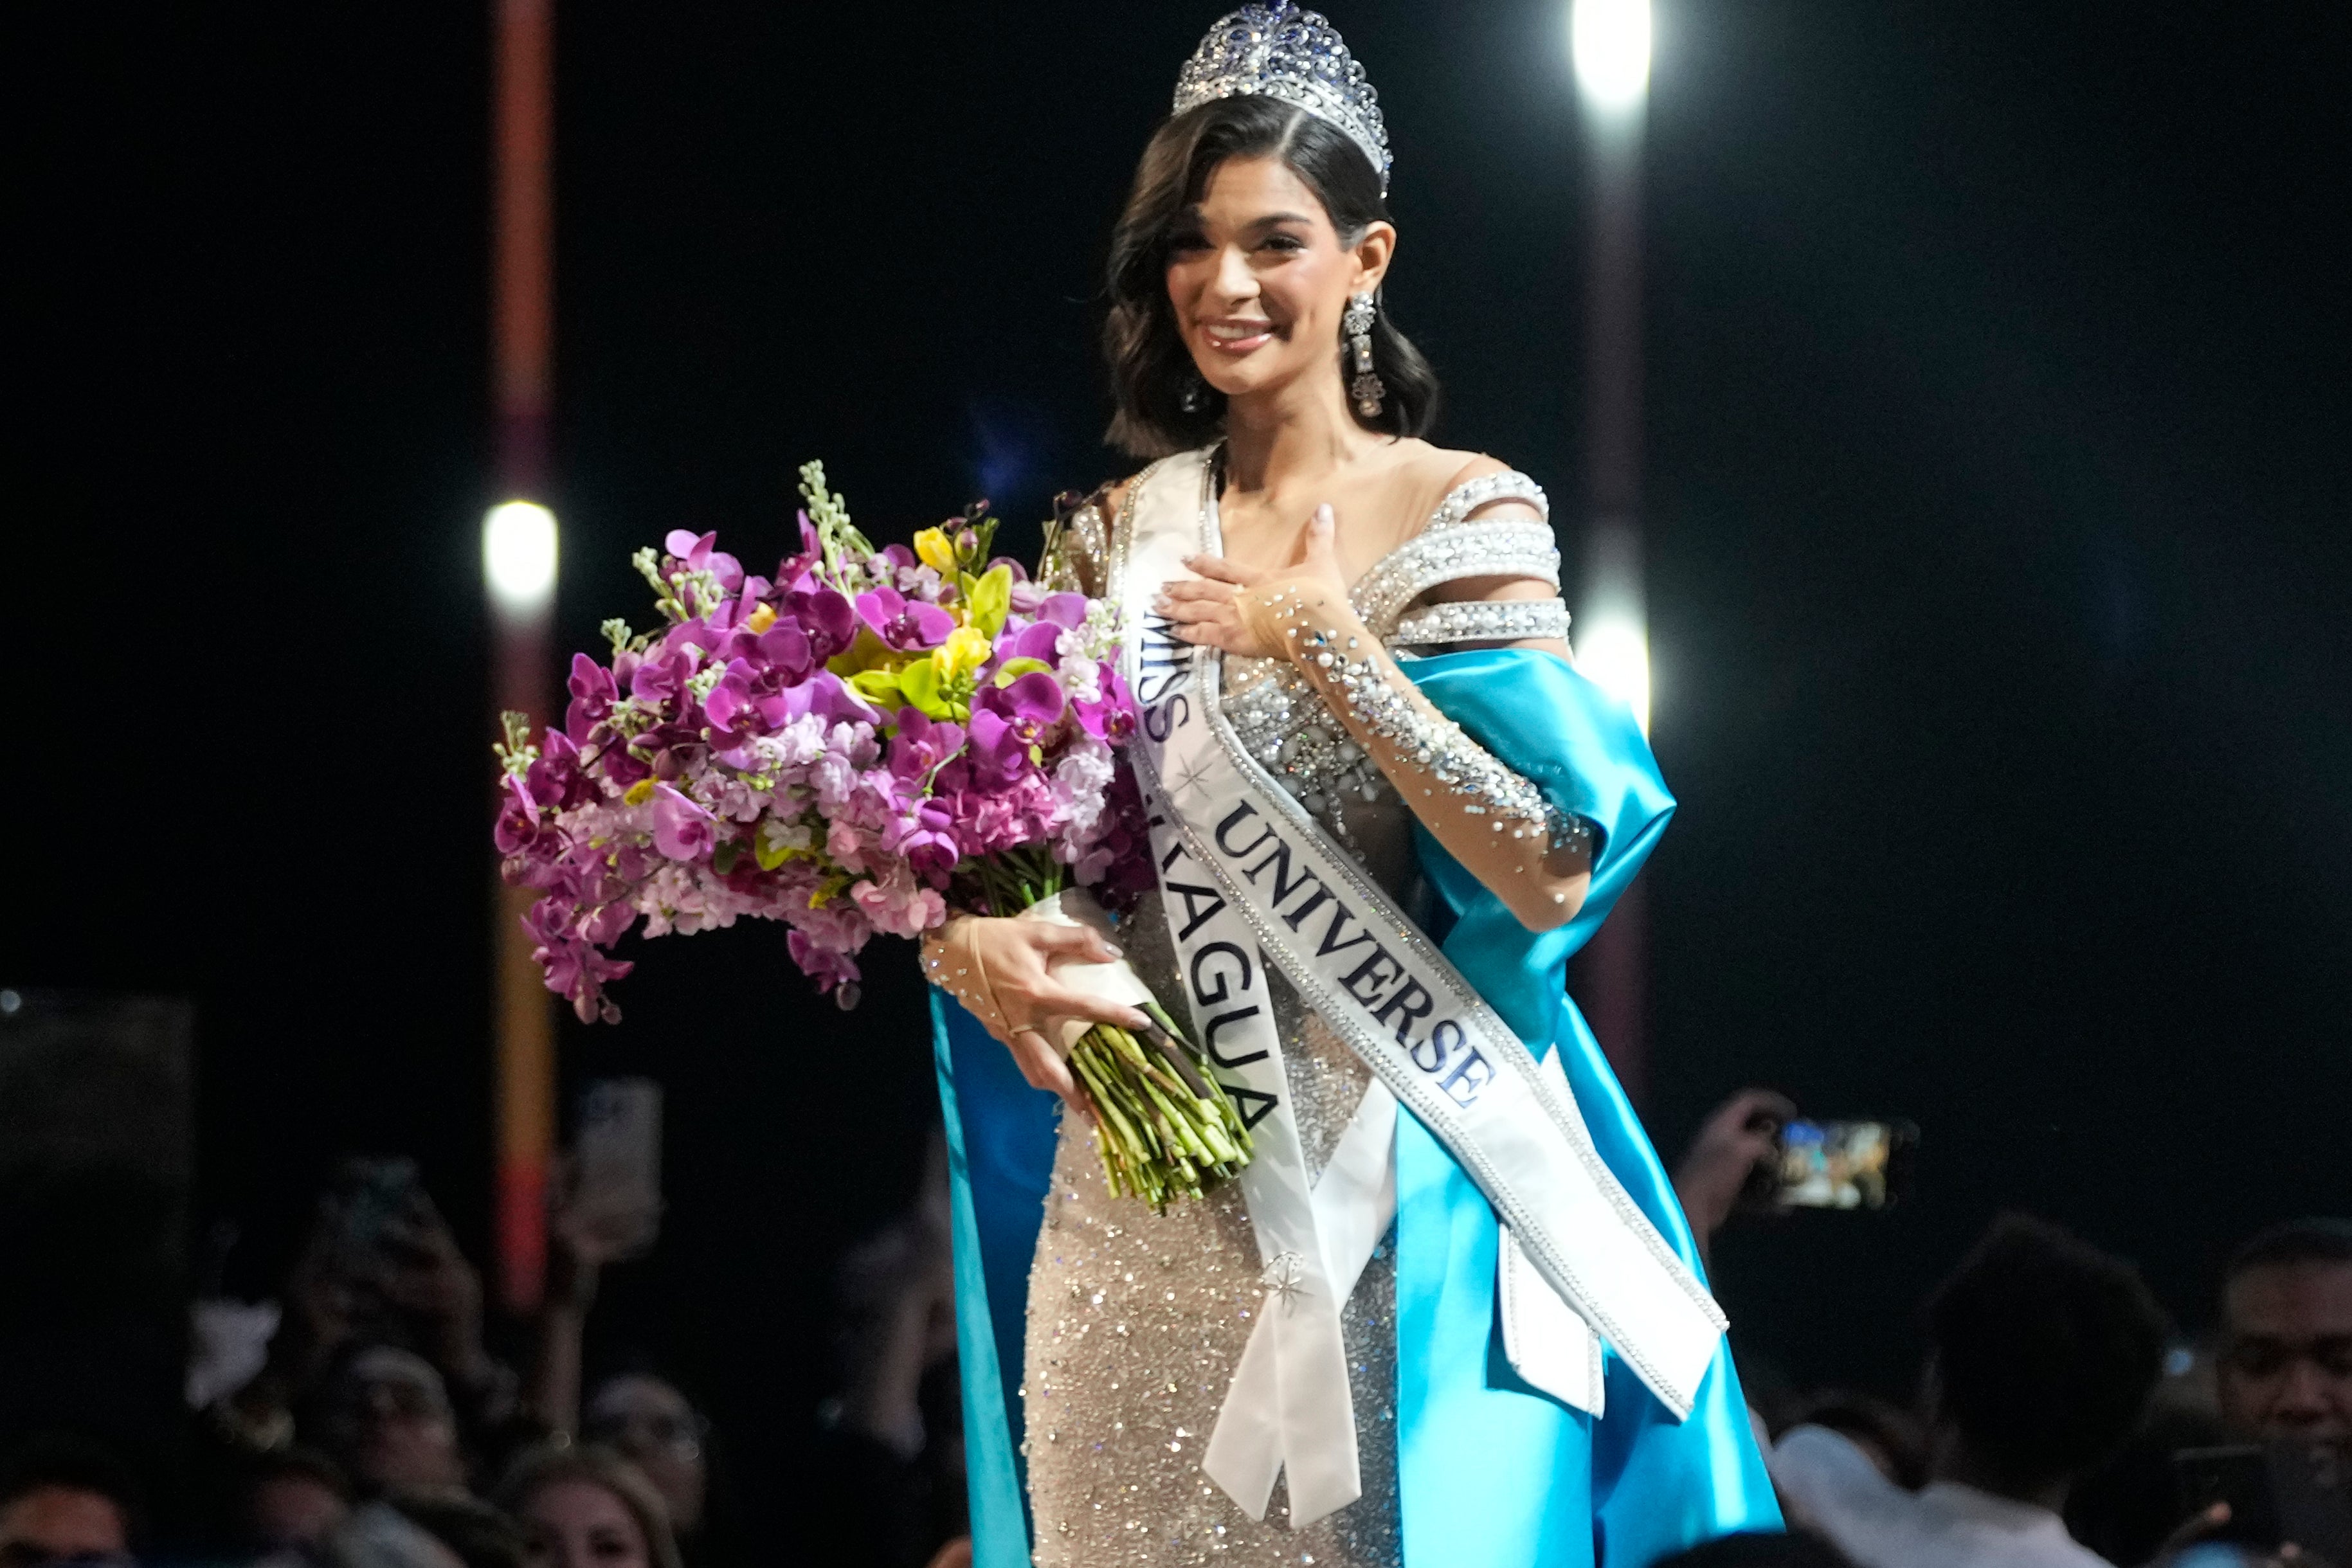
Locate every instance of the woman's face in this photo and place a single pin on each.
(579, 1524)
(1259, 279)
(388, 1419)
(651, 1423)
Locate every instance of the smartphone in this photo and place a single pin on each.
(2277, 1493)
(366, 1196)
(2238, 1474)
(617, 1159)
(1863, 1164)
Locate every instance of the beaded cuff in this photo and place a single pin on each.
(1491, 547)
(1483, 620)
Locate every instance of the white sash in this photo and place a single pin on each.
(1248, 877)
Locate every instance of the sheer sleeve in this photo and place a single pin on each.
(1532, 853)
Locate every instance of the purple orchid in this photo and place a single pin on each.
(593, 692)
(697, 554)
(1110, 716)
(922, 745)
(1029, 704)
(908, 625)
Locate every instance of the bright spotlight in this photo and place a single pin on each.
(1613, 653)
(518, 557)
(1611, 43)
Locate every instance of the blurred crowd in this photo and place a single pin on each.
(2060, 1419)
(359, 1420)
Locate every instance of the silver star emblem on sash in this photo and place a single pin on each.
(1285, 1279)
(1190, 778)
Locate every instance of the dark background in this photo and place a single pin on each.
(1998, 489)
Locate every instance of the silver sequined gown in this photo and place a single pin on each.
(1136, 1320)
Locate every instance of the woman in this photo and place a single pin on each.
(649, 1421)
(1470, 1334)
(587, 1508)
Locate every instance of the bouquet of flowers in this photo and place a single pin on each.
(859, 744)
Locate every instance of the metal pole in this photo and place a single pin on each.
(521, 333)
(1612, 39)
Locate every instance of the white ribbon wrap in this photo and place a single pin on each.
(1113, 982)
(1247, 877)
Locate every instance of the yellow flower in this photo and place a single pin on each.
(762, 619)
(880, 686)
(966, 650)
(988, 597)
(638, 793)
(932, 548)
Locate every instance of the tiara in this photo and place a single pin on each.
(1280, 51)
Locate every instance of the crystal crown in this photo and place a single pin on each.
(1280, 51)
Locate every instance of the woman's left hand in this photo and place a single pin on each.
(1212, 610)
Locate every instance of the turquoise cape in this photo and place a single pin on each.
(1494, 1473)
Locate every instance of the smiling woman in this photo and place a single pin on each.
(587, 1508)
(1450, 1316)
(1167, 403)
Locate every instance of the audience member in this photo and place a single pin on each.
(479, 1535)
(378, 1535)
(584, 1237)
(1737, 1137)
(587, 1508)
(379, 1267)
(648, 1422)
(385, 1416)
(294, 1500)
(2284, 1369)
(2282, 1377)
(2129, 1508)
(1889, 1436)
(59, 1501)
(2043, 1351)
(892, 1454)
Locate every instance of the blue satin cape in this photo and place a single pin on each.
(1493, 1474)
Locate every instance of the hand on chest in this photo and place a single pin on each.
(1266, 531)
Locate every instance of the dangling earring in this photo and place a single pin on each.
(1195, 395)
(1367, 388)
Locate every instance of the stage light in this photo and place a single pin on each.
(1611, 40)
(518, 557)
(1613, 650)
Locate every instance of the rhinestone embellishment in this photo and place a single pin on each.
(1280, 51)
(1283, 723)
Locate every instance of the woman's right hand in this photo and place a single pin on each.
(1001, 969)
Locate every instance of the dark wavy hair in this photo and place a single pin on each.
(1150, 368)
(2047, 1350)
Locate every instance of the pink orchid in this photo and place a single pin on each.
(682, 829)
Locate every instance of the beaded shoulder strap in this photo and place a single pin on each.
(1454, 546)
